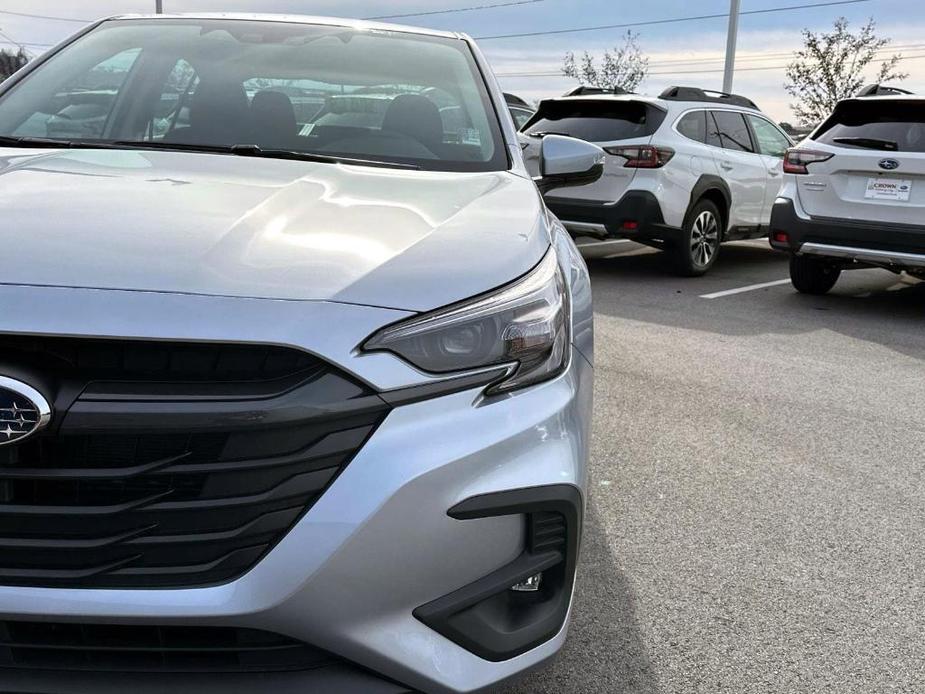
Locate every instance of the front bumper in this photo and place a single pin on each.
(375, 547)
(640, 209)
(886, 245)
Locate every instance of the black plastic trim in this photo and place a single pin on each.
(478, 616)
(449, 386)
(902, 238)
(640, 206)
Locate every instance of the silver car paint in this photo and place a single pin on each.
(236, 226)
(379, 542)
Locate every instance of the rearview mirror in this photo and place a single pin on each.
(567, 161)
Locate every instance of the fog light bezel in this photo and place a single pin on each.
(486, 617)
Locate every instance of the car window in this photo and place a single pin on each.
(771, 141)
(733, 131)
(596, 120)
(713, 136)
(81, 105)
(391, 96)
(885, 125)
(693, 125)
(521, 116)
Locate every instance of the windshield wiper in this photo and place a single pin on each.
(544, 133)
(867, 143)
(248, 150)
(49, 142)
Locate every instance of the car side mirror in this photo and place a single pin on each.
(566, 162)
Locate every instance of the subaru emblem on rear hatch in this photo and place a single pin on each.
(23, 410)
(889, 164)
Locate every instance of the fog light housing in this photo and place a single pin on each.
(523, 604)
(781, 237)
(529, 585)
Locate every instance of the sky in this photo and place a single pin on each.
(685, 52)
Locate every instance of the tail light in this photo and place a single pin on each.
(796, 160)
(642, 156)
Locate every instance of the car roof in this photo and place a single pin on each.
(362, 24)
(664, 104)
(888, 97)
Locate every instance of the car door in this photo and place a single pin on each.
(772, 145)
(741, 167)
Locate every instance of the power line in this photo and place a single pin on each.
(28, 43)
(45, 16)
(459, 9)
(683, 72)
(880, 52)
(673, 20)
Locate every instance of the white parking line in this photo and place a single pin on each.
(740, 290)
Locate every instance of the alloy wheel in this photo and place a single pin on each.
(704, 238)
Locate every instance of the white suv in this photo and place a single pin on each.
(685, 171)
(854, 192)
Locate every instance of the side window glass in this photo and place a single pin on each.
(771, 141)
(82, 107)
(713, 136)
(733, 131)
(694, 126)
(172, 109)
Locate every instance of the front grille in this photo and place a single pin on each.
(125, 648)
(166, 477)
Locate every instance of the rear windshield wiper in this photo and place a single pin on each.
(248, 150)
(867, 143)
(544, 133)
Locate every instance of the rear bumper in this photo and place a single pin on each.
(887, 245)
(607, 220)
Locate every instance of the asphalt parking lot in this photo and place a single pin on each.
(758, 506)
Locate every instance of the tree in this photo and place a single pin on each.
(834, 65)
(625, 67)
(10, 62)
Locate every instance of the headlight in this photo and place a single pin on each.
(525, 324)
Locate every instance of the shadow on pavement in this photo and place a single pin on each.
(605, 651)
(871, 305)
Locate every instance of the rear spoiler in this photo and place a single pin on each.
(882, 90)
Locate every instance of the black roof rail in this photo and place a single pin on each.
(584, 90)
(514, 100)
(698, 94)
(881, 90)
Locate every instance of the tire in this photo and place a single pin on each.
(813, 275)
(699, 245)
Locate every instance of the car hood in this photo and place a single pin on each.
(264, 228)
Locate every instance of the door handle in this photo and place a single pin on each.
(727, 166)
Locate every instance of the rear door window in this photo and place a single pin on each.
(596, 121)
(733, 131)
(693, 126)
(770, 140)
(889, 126)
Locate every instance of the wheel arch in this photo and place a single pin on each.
(714, 189)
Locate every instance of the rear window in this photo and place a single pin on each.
(890, 126)
(596, 121)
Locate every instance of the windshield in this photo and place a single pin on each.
(363, 94)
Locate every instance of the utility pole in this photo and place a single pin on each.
(731, 39)
(159, 6)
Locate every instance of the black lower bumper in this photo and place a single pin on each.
(637, 216)
(849, 239)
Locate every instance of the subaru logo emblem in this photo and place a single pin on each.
(23, 411)
(889, 164)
